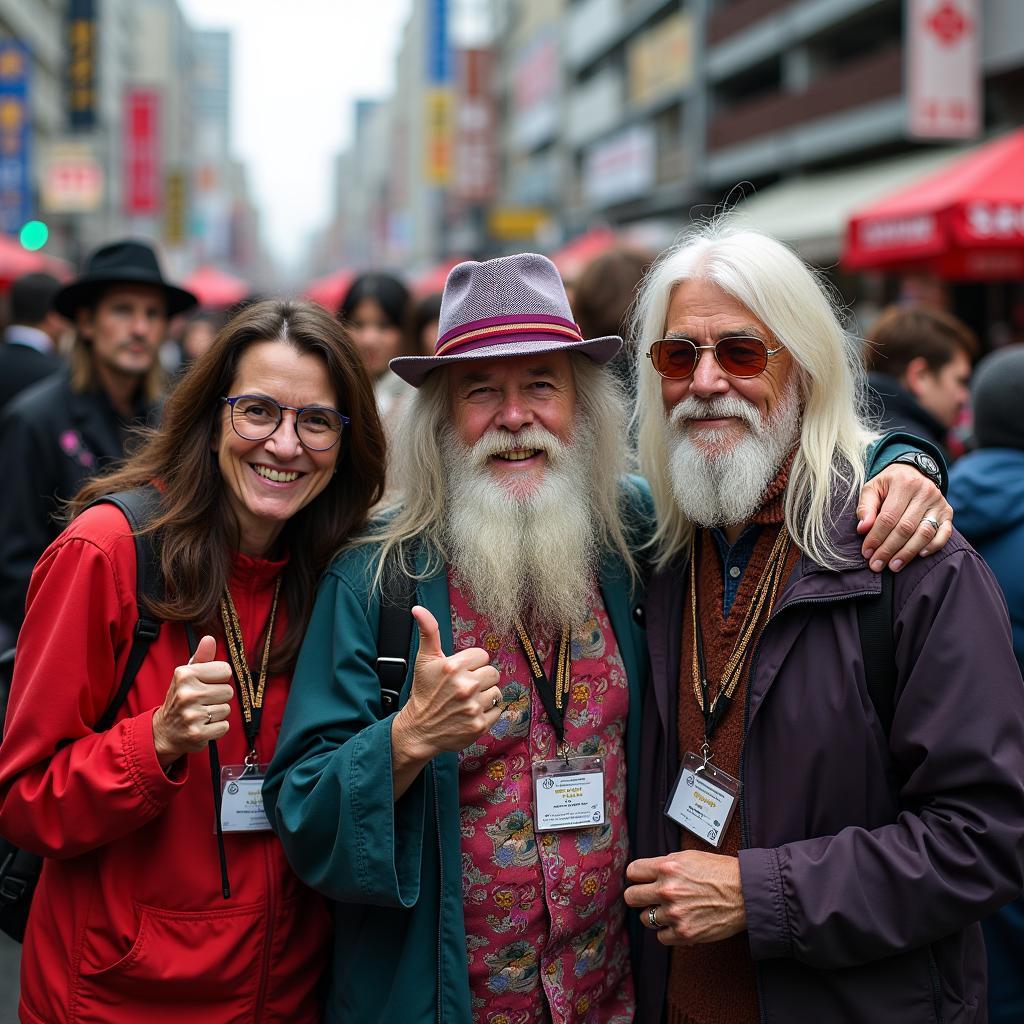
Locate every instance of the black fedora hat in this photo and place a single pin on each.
(124, 262)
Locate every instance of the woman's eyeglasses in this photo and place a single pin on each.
(738, 356)
(255, 418)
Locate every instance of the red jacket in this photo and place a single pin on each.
(129, 923)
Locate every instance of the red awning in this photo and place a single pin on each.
(330, 289)
(216, 289)
(572, 257)
(16, 260)
(965, 222)
(433, 279)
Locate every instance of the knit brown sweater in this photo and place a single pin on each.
(715, 983)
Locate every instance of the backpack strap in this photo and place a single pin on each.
(878, 649)
(398, 591)
(139, 506)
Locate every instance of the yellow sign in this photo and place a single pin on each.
(660, 61)
(511, 223)
(440, 135)
(175, 207)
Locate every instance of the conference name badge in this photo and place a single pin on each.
(704, 799)
(568, 793)
(241, 799)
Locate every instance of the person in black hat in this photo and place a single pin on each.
(65, 428)
(29, 349)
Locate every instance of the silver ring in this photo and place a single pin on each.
(932, 521)
(495, 702)
(652, 917)
(209, 716)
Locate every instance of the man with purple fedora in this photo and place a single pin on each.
(476, 839)
(68, 426)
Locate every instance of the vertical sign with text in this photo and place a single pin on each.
(439, 99)
(141, 151)
(15, 182)
(475, 165)
(81, 81)
(943, 69)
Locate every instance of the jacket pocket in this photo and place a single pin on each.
(188, 957)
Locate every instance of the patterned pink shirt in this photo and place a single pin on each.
(546, 935)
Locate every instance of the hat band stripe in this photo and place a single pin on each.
(485, 333)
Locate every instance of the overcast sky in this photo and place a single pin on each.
(297, 67)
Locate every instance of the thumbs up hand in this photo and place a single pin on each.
(454, 699)
(196, 706)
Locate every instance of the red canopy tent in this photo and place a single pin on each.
(433, 279)
(572, 257)
(216, 289)
(16, 260)
(330, 289)
(965, 222)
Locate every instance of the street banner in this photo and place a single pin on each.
(943, 69)
(439, 99)
(15, 180)
(476, 162)
(175, 207)
(439, 63)
(82, 58)
(141, 151)
(70, 177)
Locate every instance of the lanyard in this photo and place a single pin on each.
(552, 694)
(714, 708)
(251, 693)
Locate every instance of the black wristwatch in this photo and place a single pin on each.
(923, 463)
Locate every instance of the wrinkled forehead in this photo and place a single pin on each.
(702, 306)
(511, 369)
(146, 294)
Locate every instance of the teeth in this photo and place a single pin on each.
(276, 475)
(519, 454)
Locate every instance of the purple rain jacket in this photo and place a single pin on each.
(865, 863)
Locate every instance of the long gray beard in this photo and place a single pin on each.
(529, 556)
(724, 488)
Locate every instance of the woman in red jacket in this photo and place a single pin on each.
(269, 455)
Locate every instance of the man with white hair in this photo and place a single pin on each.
(814, 846)
(476, 840)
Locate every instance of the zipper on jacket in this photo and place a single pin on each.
(933, 975)
(261, 991)
(744, 824)
(440, 889)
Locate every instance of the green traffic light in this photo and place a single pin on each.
(34, 235)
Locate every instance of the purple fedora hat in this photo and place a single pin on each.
(511, 306)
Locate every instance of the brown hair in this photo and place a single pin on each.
(198, 528)
(904, 333)
(606, 290)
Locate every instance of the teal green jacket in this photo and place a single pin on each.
(395, 869)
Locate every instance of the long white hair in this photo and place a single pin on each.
(417, 462)
(786, 296)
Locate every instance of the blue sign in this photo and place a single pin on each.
(15, 180)
(439, 57)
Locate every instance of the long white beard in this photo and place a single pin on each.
(523, 555)
(716, 488)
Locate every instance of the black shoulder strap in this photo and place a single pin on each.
(398, 591)
(138, 506)
(874, 620)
